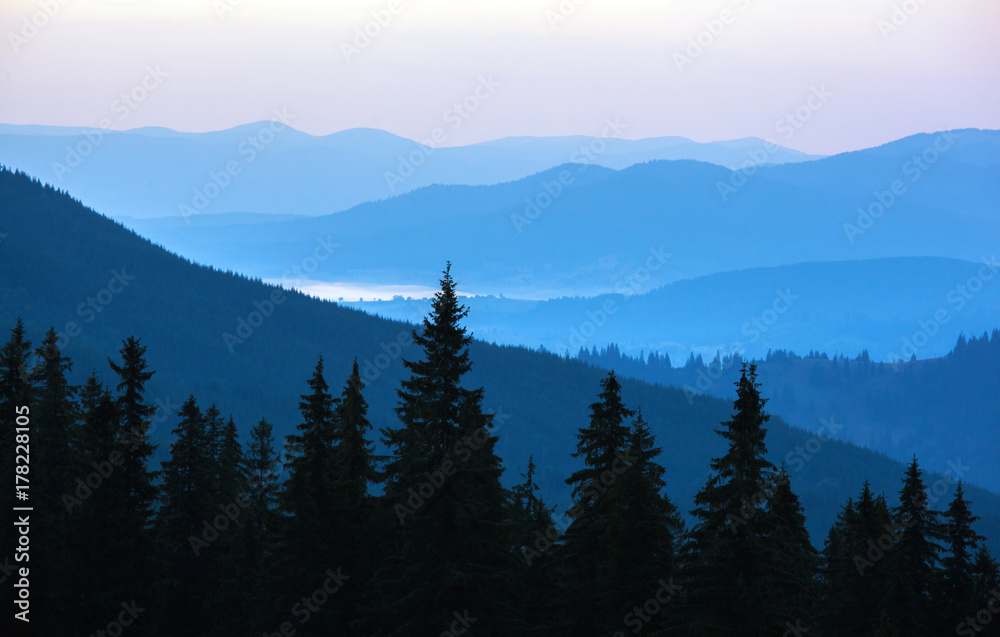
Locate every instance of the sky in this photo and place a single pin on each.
(820, 76)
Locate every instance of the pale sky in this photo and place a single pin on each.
(554, 67)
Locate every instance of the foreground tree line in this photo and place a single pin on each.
(230, 537)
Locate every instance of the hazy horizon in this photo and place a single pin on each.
(717, 70)
(492, 139)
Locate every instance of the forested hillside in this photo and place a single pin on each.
(942, 409)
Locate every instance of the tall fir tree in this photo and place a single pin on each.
(914, 558)
(93, 505)
(986, 574)
(307, 499)
(534, 534)
(140, 581)
(732, 550)
(183, 522)
(603, 445)
(834, 568)
(245, 602)
(533, 528)
(54, 418)
(791, 572)
(643, 540)
(855, 573)
(353, 516)
(619, 550)
(451, 559)
(230, 614)
(958, 590)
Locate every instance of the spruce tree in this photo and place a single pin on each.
(959, 589)
(352, 517)
(261, 489)
(183, 523)
(451, 559)
(643, 541)
(619, 551)
(855, 570)
(245, 602)
(355, 471)
(534, 535)
(92, 506)
(914, 558)
(730, 548)
(835, 570)
(986, 574)
(307, 546)
(136, 416)
(603, 445)
(54, 416)
(229, 611)
(791, 572)
(531, 519)
(140, 490)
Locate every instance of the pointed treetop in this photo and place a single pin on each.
(442, 324)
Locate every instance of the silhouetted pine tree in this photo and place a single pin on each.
(530, 516)
(986, 574)
(534, 534)
(730, 547)
(183, 522)
(352, 518)
(135, 519)
(307, 499)
(245, 600)
(227, 607)
(451, 560)
(604, 446)
(958, 584)
(855, 571)
(791, 572)
(618, 552)
(914, 559)
(834, 568)
(93, 504)
(54, 415)
(643, 541)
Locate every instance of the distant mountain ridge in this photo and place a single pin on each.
(586, 230)
(270, 167)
